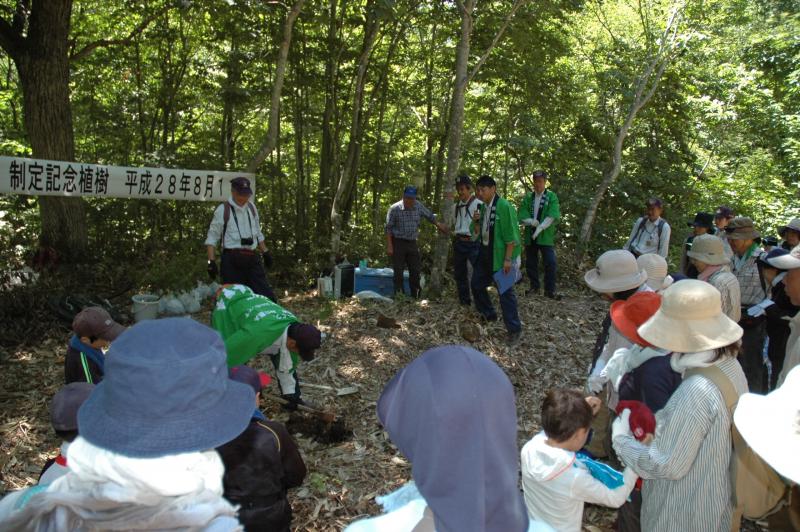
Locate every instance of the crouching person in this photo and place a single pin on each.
(251, 324)
(261, 464)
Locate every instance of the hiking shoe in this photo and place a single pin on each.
(514, 337)
(553, 296)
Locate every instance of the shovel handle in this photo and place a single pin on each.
(324, 415)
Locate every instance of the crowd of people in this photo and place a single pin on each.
(162, 427)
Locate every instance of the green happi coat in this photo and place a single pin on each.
(549, 208)
(248, 323)
(506, 230)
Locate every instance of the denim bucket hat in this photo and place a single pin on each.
(165, 391)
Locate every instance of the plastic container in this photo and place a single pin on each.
(145, 307)
(380, 280)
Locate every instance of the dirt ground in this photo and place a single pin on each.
(344, 477)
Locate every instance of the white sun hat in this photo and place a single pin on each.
(790, 261)
(615, 271)
(770, 424)
(655, 266)
(690, 320)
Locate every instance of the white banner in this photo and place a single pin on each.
(38, 177)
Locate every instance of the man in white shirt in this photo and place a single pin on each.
(465, 245)
(237, 225)
(650, 233)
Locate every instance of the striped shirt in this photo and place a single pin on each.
(688, 483)
(728, 286)
(404, 223)
(746, 271)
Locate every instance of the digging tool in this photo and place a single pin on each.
(347, 390)
(327, 417)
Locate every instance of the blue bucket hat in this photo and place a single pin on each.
(165, 391)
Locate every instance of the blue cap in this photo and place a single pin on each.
(410, 191)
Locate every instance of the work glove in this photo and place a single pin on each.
(267, 258)
(596, 380)
(622, 425)
(212, 270)
(530, 222)
(759, 309)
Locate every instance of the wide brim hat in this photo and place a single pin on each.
(690, 320)
(702, 219)
(789, 261)
(770, 424)
(655, 266)
(615, 271)
(708, 249)
(794, 225)
(628, 315)
(165, 391)
(741, 228)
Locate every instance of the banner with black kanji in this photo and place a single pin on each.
(38, 177)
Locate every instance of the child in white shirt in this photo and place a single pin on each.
(555, 483)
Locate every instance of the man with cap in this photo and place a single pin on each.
(790, 234)
(791, 263)
(742, 237)
(250, 324)
(466, 245)
(94, 331)
(261, 464)
(722, 217)
(703, 224)
(499, 250)
(64, 419)
(237, 226)
(145, 457)
(650, 233)
(402, 231)
(539, 213)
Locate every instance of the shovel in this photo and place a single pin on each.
(327, 417)
(347, 390)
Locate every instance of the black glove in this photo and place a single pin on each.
(292, 402)
(267, 258)
(212, 269)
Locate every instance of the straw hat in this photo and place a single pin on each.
(628, 315)
(690, 320)
(741, 228)
(708, 249)
(655, 266)
(771, 425)
(615, 271)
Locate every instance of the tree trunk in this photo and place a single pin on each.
(43, 65)
(346, 181)
(271, 139)
(442, 246)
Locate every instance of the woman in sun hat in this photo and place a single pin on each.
(145, 457)
(713, 266)
(655, 266)
(790, 234)
(686, 468)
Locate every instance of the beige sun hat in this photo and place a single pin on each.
(708, 249)
(655, 266)
(741, 228)
(615, 271)
(690, 320)
(794, 225)
(771, 425)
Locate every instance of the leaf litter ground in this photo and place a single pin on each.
(344, 477)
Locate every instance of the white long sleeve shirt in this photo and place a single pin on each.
(556, 488)
(648, 240)
(249, 226)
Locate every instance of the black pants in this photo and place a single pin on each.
(778, 332)
(406, 252)
(548, 254)
(245, 268)
(751, 358)
(464, 252)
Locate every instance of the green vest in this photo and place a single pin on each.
(248, 323)
(506, 230)
(548, 208)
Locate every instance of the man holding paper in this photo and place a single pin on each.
(539, 213)
(499, 250)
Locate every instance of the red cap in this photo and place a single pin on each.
(630, 314)
(642, 420)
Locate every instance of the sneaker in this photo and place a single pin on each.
(553, 296)
(514, 337)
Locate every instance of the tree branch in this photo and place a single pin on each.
(10, 40)
(497, 37)
(106, 43)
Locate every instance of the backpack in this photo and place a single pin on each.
(226, 215)
(642, 221)
(758, 490)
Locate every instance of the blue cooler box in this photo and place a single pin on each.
(379, 280)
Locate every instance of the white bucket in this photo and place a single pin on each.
(145, 307)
